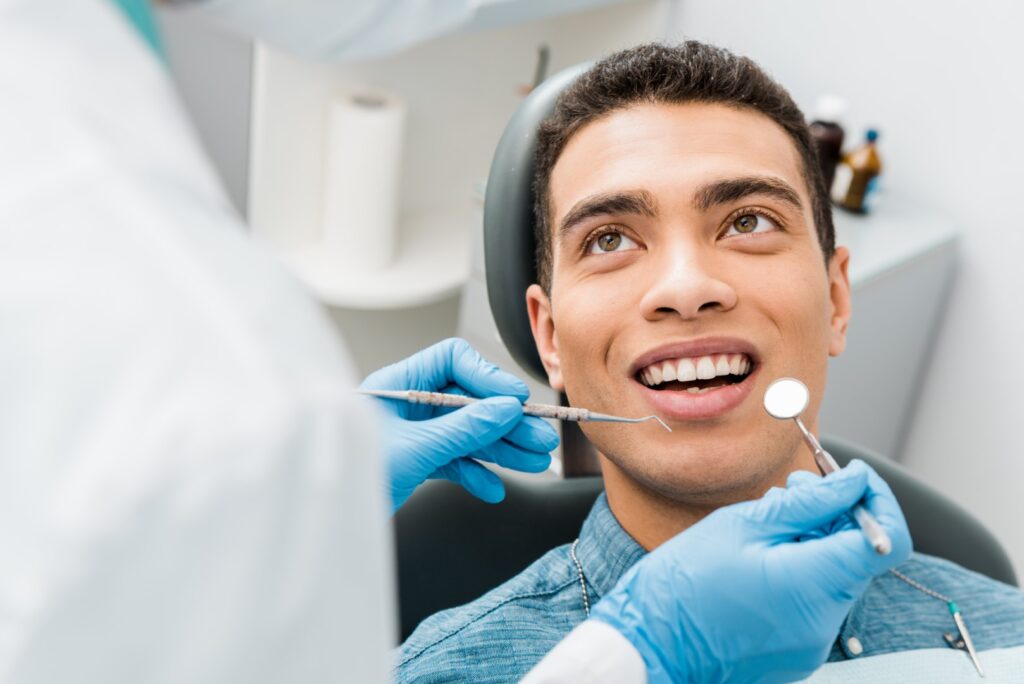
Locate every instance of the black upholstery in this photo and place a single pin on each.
(452, 548)
(508, 221)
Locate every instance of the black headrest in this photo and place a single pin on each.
(508, 220)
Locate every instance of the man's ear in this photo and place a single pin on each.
(839, 293)
(538, 304)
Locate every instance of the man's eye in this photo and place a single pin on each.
(747, 224)
(611, 241)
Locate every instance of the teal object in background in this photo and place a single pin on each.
(140, 14)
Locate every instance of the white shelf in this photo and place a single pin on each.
(433, 263)
(896, 232)
(460, 91)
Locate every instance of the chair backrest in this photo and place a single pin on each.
(509, 244)
(453, 548)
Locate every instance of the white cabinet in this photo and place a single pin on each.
(902, 266)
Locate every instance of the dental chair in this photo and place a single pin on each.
(453, 548)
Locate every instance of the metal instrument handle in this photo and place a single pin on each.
(439, 399)
(556, 412)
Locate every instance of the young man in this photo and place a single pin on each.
(686, 259)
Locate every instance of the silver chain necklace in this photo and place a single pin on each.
(963, 643)
(583, 581)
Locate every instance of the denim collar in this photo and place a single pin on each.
(605, 550)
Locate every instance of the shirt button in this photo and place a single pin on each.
(854, 646)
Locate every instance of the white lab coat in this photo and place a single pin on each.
(189, 492)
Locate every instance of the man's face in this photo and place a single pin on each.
(684, 247)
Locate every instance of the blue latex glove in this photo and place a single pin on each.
(423, 442)
(757, 591)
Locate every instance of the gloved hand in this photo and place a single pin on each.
(423, 442)
(757, 591)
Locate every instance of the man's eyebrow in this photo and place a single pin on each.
(732, 189)
(638, 202)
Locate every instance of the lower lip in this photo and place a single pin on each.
(682, 405)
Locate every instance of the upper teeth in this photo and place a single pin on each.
(699, 368)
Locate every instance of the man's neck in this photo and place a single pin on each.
(652, 518)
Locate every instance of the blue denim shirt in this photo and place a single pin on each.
(502, 635)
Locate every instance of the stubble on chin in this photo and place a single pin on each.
(703, 483)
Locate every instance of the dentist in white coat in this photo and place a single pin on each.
(189, 490)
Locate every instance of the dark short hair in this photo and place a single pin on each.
(670, 74)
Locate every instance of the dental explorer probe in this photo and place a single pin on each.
(787, 398)
(569, 413)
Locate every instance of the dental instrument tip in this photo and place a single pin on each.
(663, 423)
(606, 418)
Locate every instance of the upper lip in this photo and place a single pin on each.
(694, 348)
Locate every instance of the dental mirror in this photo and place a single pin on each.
(786, 398)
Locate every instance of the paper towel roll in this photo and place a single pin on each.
(364, 155)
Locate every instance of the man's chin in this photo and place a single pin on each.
(697, 480)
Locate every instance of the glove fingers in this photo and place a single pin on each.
(880, 499)
(846, 562)
(471, 428)
(534, 434)
(480, 377)
(510, 456)
(531, 433)
(844, 546)
(799, 478)
(882, 503)
(477, 480)
(802, 478)
(798, 510)
(843, 522)
(447, 362)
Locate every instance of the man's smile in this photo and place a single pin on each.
(698, 379)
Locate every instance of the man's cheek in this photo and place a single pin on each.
(583, 329)
(585, 380)
(578, 371)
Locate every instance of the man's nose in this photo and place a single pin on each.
(685, 283)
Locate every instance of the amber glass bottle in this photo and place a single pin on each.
(856, 175)
(827, 135)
